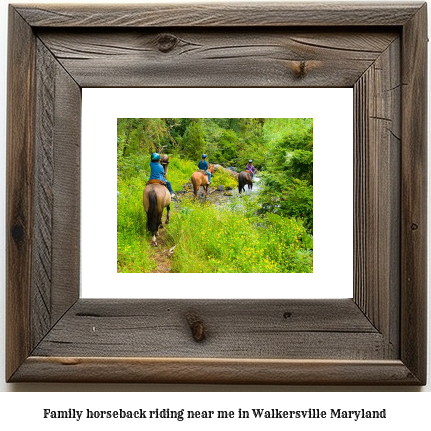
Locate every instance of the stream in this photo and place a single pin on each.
(223, 196)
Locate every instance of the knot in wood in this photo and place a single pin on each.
(197, 328)
(300, 69)
(18, 233)
(414, 226)
(167, 42)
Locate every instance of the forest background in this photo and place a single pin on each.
(282, 151)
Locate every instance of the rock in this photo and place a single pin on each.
(228, 194)
(229, 171)
(229, 188)
(220, 188)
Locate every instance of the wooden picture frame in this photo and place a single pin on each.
(376, 338)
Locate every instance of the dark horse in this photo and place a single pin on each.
(244, 178)
(200, 178)
(156, 198)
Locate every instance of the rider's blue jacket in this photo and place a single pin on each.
(203, 165)
(157, 171)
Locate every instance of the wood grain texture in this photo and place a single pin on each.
(268, 329)
(43, 194)
(19, 200)
(210, 57)
(414, 195)
(220, 15)
(55, 278)
(216, 371)
(377, 338)
(377, 104)
(67, 199)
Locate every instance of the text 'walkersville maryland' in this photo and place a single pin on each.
(182, 414)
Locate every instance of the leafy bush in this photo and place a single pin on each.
(289, 199)
(227, 148)
(288, 179)
(217, 239)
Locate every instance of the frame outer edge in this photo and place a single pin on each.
(212, 14)
(19, 234)
(215, 371)
(20, 193)
(414, 196)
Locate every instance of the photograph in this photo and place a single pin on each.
(215, 195)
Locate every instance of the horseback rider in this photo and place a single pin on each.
(203, 164)
(158, 173)
(251, 168)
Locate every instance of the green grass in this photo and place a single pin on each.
(134, 253)
(220, 240)
(208, 238)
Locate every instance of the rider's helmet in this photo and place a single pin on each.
(155, 157)
(250, 161)
(204, 156)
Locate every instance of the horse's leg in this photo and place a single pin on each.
(195, 188)
(156, 233)
(160, 214)
(167, 215)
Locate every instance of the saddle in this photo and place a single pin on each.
(249, 174)
(163, 183)
(202, 171)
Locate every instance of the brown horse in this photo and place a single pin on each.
(244, 178)
(200, 178)
(156, 197)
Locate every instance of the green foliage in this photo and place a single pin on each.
(141, 135)
(289, 198)
(284, 227)
(134, 166)
(180, 172)
(299, 164)
(227, 148)
(288, 179)
(192, 143)
(222, 178)
(217, 239)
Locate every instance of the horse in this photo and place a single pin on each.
(156, 198)
(200, 178)
(244, 178)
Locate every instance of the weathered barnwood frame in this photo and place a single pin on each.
(378, 337)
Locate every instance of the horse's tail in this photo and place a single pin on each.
(240, 183)
(152, 214)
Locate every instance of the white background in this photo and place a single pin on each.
(407, 407)
(332, 111)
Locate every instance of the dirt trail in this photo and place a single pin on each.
(161, 254)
